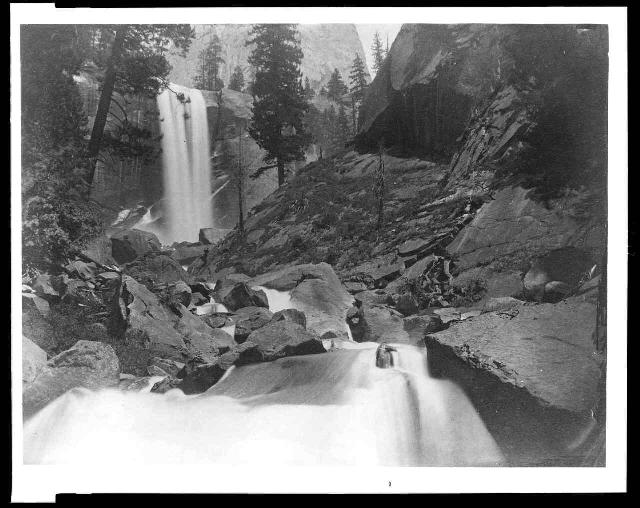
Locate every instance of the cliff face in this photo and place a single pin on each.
(122, 180)
(325, 47)
(478, 93)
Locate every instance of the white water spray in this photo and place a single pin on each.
(334, 408)
(186, 161)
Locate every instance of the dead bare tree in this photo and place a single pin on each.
(378, 188)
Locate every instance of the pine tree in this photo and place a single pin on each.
(279, 103)
(322, 92)
(133, 59)
(378, 52)
(358, 79)
(209, 60)
(236, 82)
(308, 91)
(342, 125)
(336, 87)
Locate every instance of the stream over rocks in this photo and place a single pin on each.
(336, 408)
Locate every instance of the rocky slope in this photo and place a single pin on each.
(325, 46)
(496, 268)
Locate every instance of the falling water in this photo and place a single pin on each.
(335, 408)
(187, 173)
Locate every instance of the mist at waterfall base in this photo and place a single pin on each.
(187, 202)
(335, 408)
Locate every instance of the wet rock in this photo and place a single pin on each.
(34, 359)
(277, 340)
(376, 323)
(181, 292)
(314, 290)
(199, 377)
(198, 299)
(292, 315)
(127, 245)
(87, 364)
(241, 295)
(384, 358)
(249, 319)
(154, 370)
(202, 288)
(224, 283)
(168, 383)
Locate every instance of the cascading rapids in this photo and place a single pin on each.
(186, 163)
(335, 408)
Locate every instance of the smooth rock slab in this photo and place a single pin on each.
(545, 349)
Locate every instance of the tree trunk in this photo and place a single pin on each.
(104, 105)
(240, 184)
(379, 188)
(280, 173)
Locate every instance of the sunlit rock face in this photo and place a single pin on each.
(325, 46)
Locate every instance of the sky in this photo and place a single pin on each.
(366, 33)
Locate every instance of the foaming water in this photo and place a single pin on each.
(278, 300)
(185, 157)
(281, 300)
(335, 408)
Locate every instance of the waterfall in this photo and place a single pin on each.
(186, 164)
(335, 408)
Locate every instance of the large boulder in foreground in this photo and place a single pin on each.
(147, 328)
(87, 364)
(277, 340)
(34, 360)
(531, 371)
(314, 290)
(129, 244)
